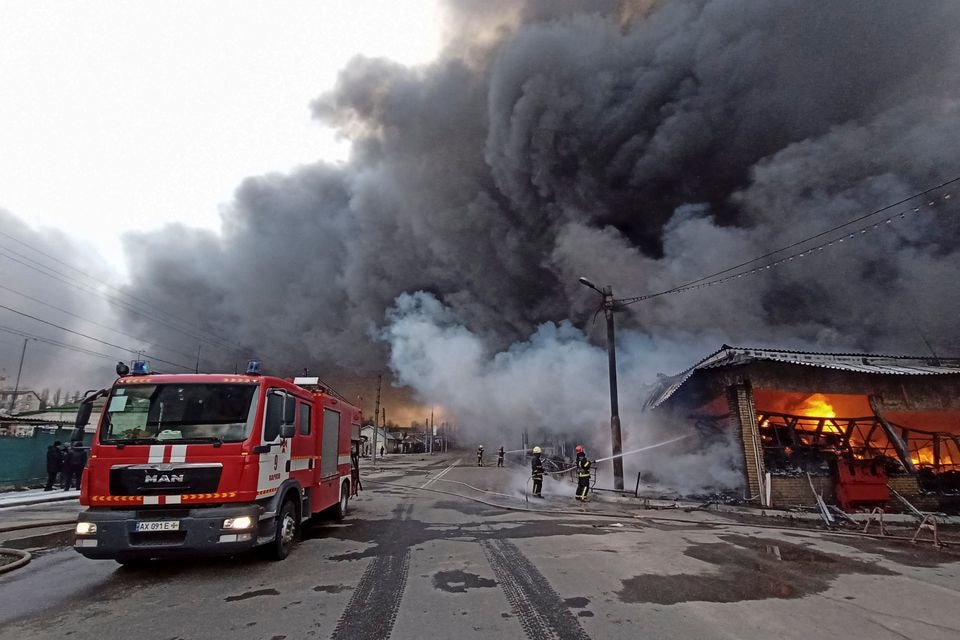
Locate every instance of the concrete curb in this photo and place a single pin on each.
(38, 525)
(38, 500)
(23, 558)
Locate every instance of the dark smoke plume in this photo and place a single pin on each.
(642, 144)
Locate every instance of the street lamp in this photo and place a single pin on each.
(608, 304)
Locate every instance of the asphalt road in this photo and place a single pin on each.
(411, 563)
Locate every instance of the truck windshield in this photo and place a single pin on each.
(179, 412)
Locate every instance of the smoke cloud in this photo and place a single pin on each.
(641, 144)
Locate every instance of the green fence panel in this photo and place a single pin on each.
(23, 461)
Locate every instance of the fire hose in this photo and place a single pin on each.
(23, 557)
(621, 516)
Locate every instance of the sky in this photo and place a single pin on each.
(424, 211)
(126, 115)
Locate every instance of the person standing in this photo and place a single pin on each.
(583, 474)
(500, 456)
(73, 469)
(536, 466)
(480, 456)
(54, 463)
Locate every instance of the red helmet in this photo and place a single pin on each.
(579, 448)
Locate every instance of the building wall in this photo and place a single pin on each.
(743, 420)
(795, 491)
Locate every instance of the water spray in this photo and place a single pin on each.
(649, 446)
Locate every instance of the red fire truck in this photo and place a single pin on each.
(186, 464)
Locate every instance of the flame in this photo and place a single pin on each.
(817, 406)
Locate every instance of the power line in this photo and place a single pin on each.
(65, 279)
(56, 343)
(713, 278)
(88, 337)
(53, 273)
(62, 345)
(99, 283)
(93, 322)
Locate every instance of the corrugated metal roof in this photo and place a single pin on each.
(854, 362)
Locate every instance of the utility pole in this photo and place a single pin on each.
(16, 387)
(376, 412)
(197, 368)
(431, 431)
(608, 306)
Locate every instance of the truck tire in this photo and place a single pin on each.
(286, 530)
(340, 511)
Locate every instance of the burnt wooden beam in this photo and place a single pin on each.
(898, 444)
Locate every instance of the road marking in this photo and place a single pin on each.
(440, 475)
(541, 612)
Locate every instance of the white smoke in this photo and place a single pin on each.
(553, 383)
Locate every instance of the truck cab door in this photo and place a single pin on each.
(280, 412)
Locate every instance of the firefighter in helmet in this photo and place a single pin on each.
(583, 474)
(480, 456)
(536, 466)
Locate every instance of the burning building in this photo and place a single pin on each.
(859, 425)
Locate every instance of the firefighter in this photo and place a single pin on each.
(536, 465)
(500, 456)
(54, 463)
(583, 474)
(73, 467)
(480, 456)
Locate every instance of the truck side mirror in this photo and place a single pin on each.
(83, 417)
(288, 430)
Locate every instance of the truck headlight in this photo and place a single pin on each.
(243, 522)
(86, 528)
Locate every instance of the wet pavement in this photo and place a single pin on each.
(413, 563)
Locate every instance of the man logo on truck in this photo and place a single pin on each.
(166, 477)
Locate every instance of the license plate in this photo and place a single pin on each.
(159, 525)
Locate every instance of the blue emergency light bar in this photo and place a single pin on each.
(253, 368)
(140, 368)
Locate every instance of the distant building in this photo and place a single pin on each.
(384, 439)
(26, 401)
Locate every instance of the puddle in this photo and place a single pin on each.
(576, 603)
(746, 568)
(459, 581)
(331, 588)
(252, 594)
(922, 554)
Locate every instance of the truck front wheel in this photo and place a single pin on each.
(286, 532)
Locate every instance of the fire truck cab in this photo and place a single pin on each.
(213, 464)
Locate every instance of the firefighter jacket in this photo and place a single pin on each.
(537, 466)
(583, 467)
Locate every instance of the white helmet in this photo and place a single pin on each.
(481, 446)
(536, 449)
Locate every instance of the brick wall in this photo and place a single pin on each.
(795, 491)
(907, 487)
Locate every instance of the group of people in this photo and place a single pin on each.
(582, 467)
(67, 462)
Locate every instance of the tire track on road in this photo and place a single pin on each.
(372, 610)
(541, 611)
